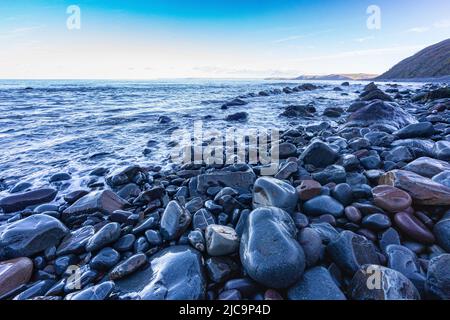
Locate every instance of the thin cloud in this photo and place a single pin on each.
(442, 24)
(364, 39)
(418, 30)
(301, 36)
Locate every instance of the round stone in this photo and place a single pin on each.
(374, 282)
(128, 266)
(323, 205)
(442, 232)
(350, 251)
(391, 199)
(105, 259)
(343, 193)
(316, 284)
(353, 214)
(311, 243)
(269, 250)
(174, 221)
(376, 222)
(270, 192)
(413, 228)
(14, 273)
(221, 240)
(438, 277)
(106, 235)
(309, 189)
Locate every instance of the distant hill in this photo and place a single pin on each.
(431, 62)
(343, 77)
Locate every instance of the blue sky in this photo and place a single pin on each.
(215, 38)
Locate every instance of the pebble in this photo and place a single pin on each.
(197, 240)
(14, 273)
(343, 193)
(269, 251)
(391, 199)
(95, 293)
(389, 237)
(270, 192)
(75, 242)
(29, 236)
(442, 233)
(125, 243)
(20, 201)
(104, 201)
(413, 228)
(165, 277)
(311, 244)
(105, 259)
(352, 214)
(202, 219)
(129, 266)
(438, 277)
(323, 205)
(220, 269)
(174, 221)
(319, 154)
(316, 284)
(385, 284)
(427, 167)
(350, 251)
(308, 189)
(106, 235)
(376, 222)
(221, 240)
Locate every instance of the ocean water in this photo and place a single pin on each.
(76, 126)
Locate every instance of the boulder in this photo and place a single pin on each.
(427, 167)
(20, 201)
(269, 250)
(270, 192)
(104, 201)
(29, 236)
(14, 273)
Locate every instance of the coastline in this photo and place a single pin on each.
(372, 190)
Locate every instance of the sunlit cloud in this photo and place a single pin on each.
(364, 39)
(418, 29)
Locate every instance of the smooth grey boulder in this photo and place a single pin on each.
(270, 192)
(316, 284)
(175, 273)
(174, 221)
(29, 236)
(269, 250)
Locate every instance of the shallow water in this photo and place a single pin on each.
(75, 126)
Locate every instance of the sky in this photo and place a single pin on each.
(40, 39)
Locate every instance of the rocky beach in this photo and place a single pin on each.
(357, 209)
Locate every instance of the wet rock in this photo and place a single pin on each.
(438, 277)
(285, 150)
(269, 251)
(350, 251)
(380, 139)
(103, 237)
(422, 190)
(197, 240)
(174, 221)
(352, 214)
(19, 187)
(270, 192)
(240, 180)
(104, 201)
(333, 173)
(287, 170)
(37, 289)
(75, 195)
(387, 284)
(391, 199)
(417, 147)
(389, 237)
(427, 167)
(319, 154)
(128, 191)
(125, 243)
(29, 236)
(416, 130)
(294, 111)
(128, 267)
(316, 284)
(221, 240)
(14, 273)
(239, 116)
(311, 243)
(380, 112)
(323, 205)
(62, 176)
(17, 202)
(442, 150)
(376, 222)
(202, 219)
(333, 112)
(75, 242)
(326, 231)
(343, 193)
(234, 103)
(95, 293)
(399, 154)
(443, 178)
(220, 269)
(105, 259)
(165, 277)
(405, 261)
(442, 232)
(308, 189)
(413, 228)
